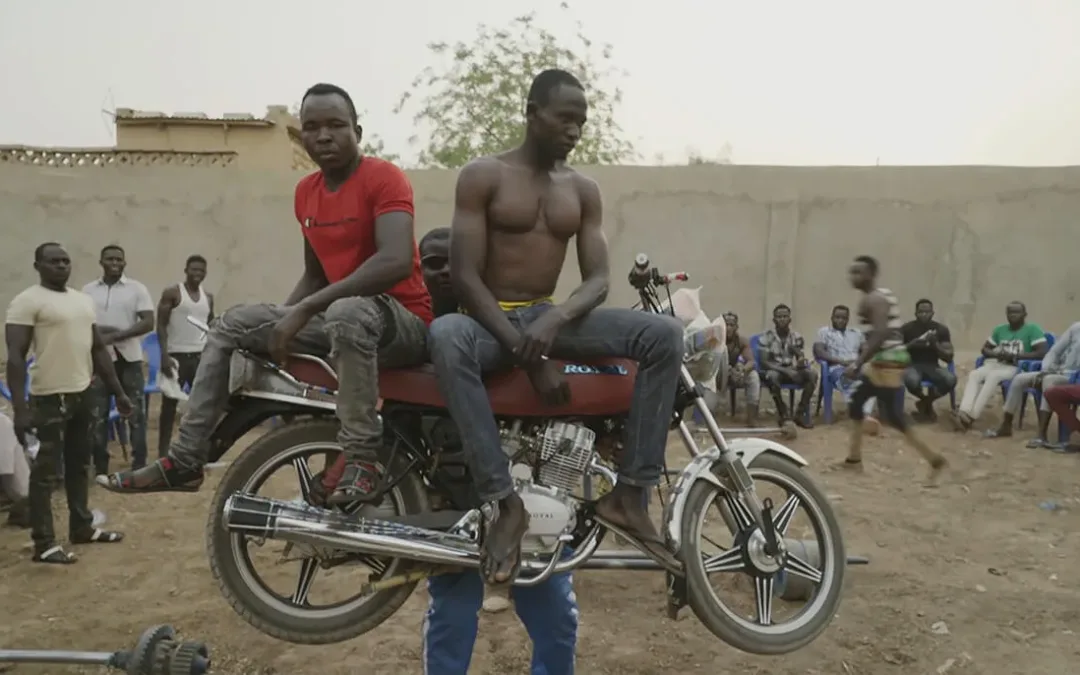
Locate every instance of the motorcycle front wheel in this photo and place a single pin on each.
(812, 571)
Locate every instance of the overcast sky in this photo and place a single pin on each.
(784, 81)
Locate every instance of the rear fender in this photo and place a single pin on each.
(701, 468)
(243, 415)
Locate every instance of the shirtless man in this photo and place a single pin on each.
(515, 214)
(880, 367)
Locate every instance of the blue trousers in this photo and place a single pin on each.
(549, 612)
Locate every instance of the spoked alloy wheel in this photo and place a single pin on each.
(300, 593)
(809, 567)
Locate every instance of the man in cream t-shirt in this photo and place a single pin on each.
(57, 324)
(125, 313)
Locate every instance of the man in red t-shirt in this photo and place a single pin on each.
(361, 298)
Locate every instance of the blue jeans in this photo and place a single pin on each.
(847, 387)
(462, 351)
(549, 612)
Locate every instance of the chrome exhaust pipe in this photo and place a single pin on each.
(303, 524)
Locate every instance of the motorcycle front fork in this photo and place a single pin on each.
(729, 466)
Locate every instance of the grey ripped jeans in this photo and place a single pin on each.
(463, 350)
(360, 334)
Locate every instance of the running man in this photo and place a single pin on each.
(880, 367)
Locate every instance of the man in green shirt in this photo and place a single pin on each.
(1009, 344)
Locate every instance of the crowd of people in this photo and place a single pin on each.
(1017, 360)
(471, 298)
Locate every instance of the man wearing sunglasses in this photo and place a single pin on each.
(548, 610)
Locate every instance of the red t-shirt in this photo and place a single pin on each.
(340, 226)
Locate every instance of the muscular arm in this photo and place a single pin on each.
(468, 251)
(103, 364)
(313, 279)
(875, 309)
(592, 254)
(210, 301)
(170, 298)
(18, 339)
(391, 264)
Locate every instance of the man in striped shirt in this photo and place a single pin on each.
(880, 366)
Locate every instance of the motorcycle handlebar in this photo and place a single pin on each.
(641, 276)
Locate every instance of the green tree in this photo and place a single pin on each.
(723, 157)
(371, 144)
(473, 101)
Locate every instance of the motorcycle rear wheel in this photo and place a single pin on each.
(274, 616)
(754, 637)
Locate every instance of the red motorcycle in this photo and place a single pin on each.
(421, 516)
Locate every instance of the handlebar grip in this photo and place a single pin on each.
(641, 262)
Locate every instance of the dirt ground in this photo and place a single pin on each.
(970, 578)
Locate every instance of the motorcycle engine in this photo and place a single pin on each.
(558, 454)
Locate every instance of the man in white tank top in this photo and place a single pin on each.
(179, 340)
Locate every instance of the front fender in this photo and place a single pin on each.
(700, 468)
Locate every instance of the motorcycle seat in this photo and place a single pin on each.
(598, 387)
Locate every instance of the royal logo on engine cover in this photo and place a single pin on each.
(581, 369)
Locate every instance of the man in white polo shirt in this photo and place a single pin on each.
(125, 313)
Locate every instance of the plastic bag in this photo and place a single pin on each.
(703, 364)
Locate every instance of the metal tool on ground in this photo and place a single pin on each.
(157, 652)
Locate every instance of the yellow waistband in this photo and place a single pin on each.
(508, 306)
(511, 306)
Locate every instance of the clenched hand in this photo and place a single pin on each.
(539, 336)
(285, 330)
(548, 381)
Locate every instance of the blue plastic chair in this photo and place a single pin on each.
(1025, 365)
(825, 391)
(117, 427)
(6, 393)
(755, 347)
(152, 349)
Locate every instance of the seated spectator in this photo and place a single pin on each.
(14, 475)
(1061, 399)
(929, 344)
(838, 346)
(1007, 345)
(1058, 366)
(783, 362)
(741, 373)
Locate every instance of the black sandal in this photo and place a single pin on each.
(55, 555)
(97, 536)
(169, 478)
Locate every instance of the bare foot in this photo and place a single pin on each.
(500, 557)
(788, 430)
(960, 421)
(937, 468)
(849, 465)
(623, 511)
